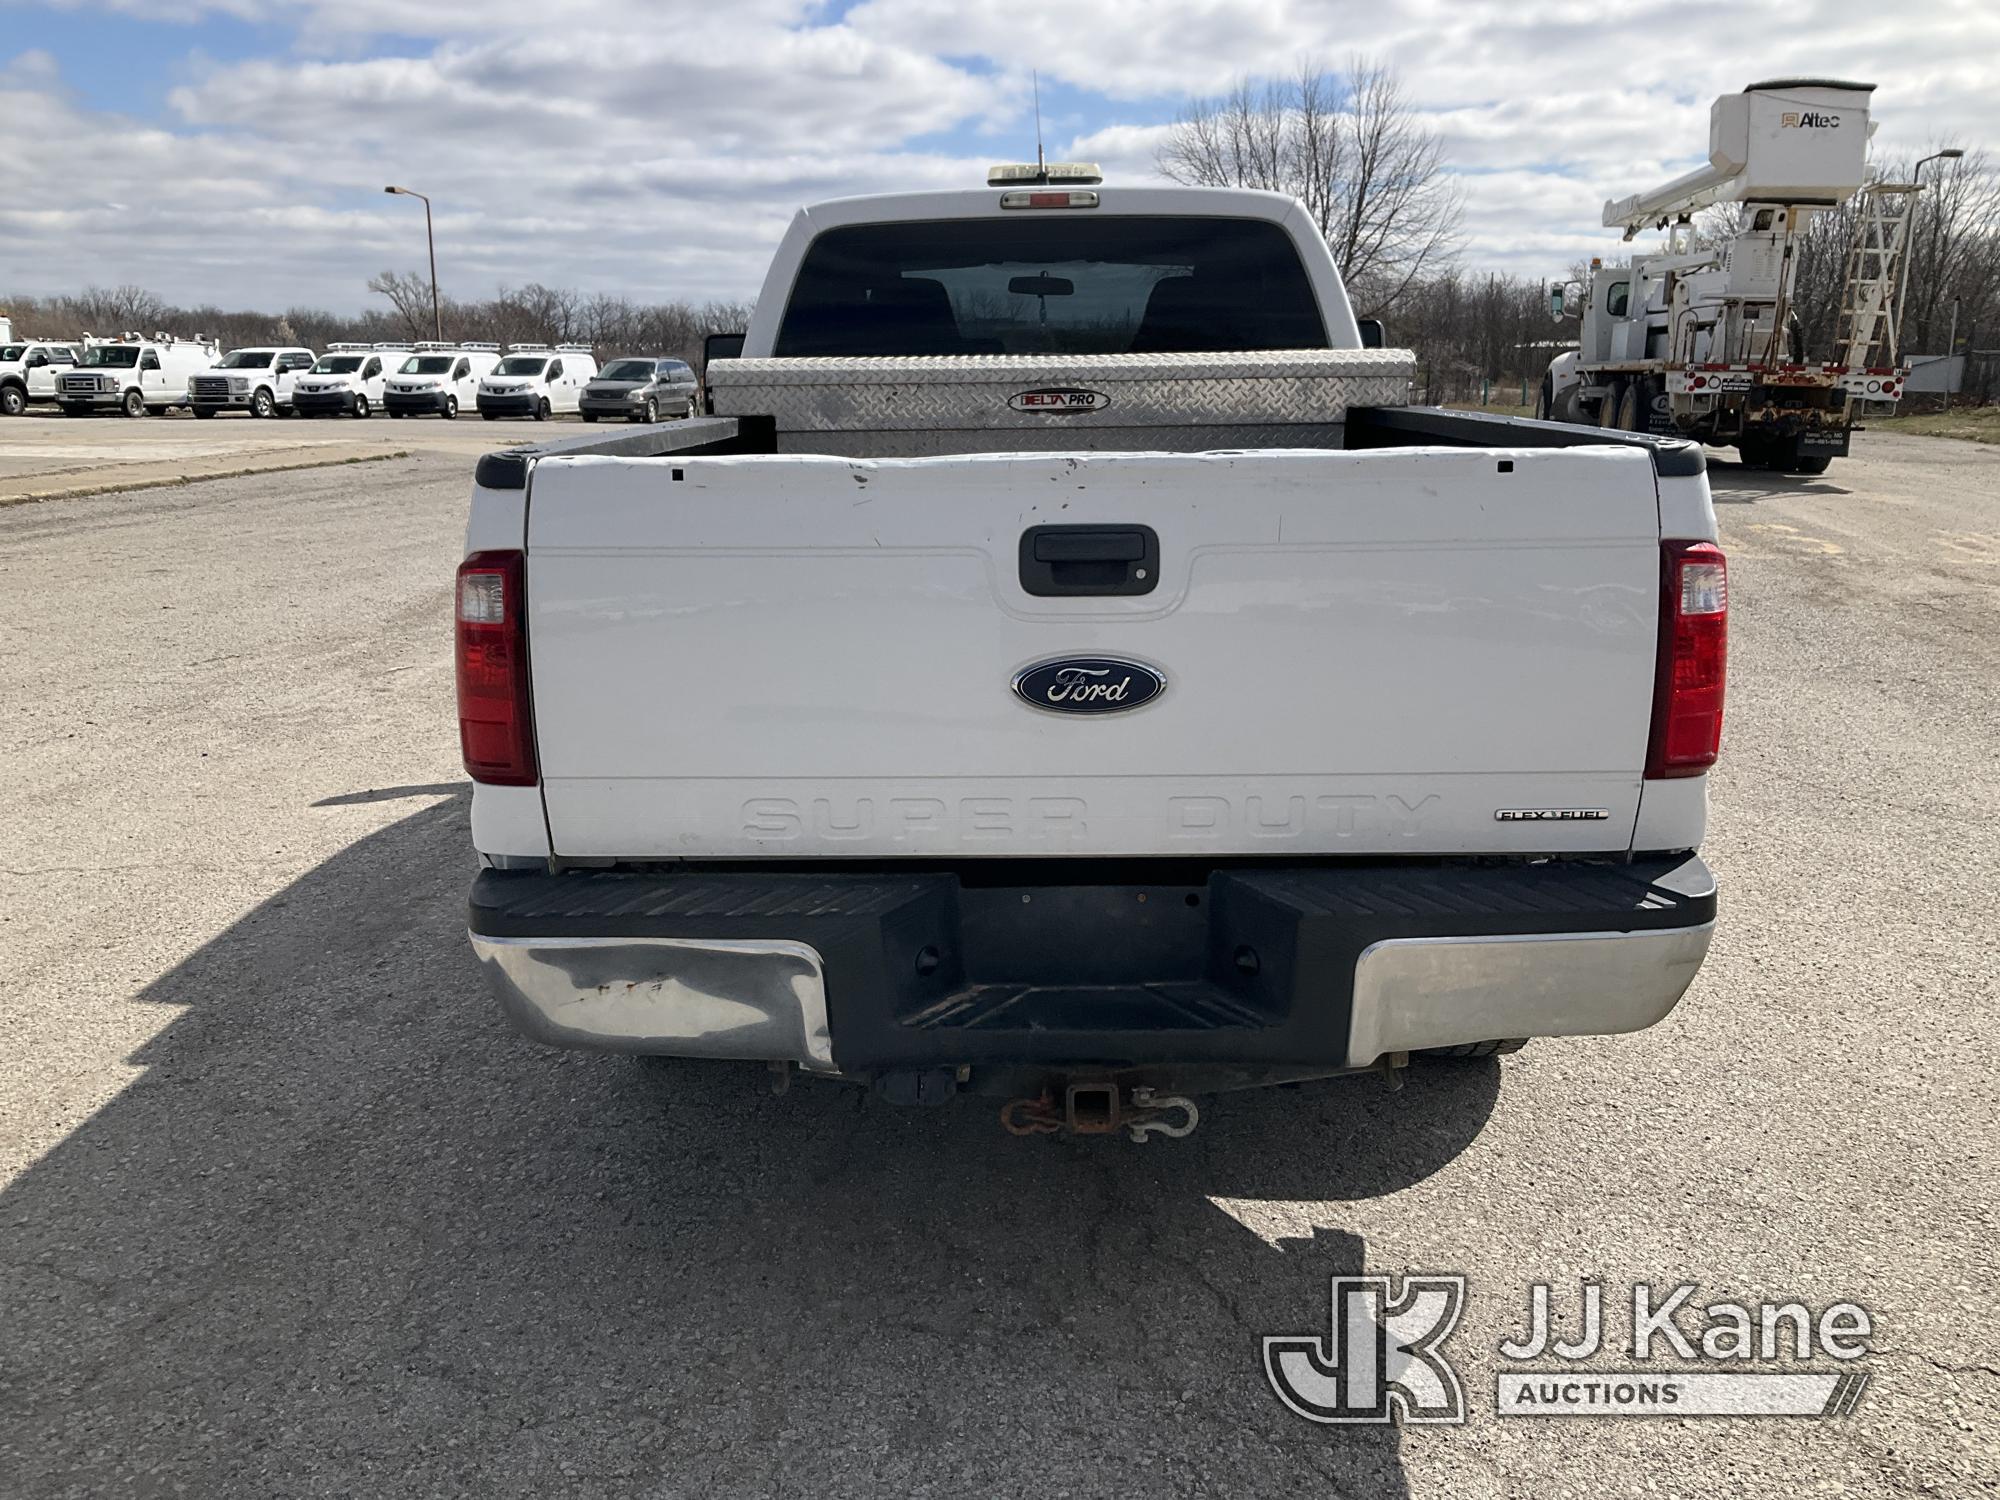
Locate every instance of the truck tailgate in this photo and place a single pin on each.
(1363, 652)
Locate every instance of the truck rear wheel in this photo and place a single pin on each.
(1545, 402)
(1629, 417)
(1607, 408)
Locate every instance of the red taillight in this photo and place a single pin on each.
(496, 728)
(1694, 659)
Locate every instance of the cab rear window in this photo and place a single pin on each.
(1068, 284)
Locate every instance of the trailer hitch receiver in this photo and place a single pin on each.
(1102, 1107)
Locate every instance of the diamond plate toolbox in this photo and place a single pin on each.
(927, 404)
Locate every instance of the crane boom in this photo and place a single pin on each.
(1785, 141)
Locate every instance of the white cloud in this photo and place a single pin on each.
(572, 143)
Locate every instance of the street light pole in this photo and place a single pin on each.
(430, 239)
(1950, 153)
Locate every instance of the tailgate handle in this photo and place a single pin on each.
(1089, 560)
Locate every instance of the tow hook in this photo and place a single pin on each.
(1102, 1109)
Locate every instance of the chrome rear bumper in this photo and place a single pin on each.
(1325, 967)
(1413, 993)
(763, 1000)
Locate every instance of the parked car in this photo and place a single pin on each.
(1030, 687)
(133, 374)
(439, 379)
(259, 381)
(537, 381)
(640, 390)
(348, 379)
(28, 372)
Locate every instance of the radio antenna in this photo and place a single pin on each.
(1041, 162)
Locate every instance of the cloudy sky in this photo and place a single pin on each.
(234, 151)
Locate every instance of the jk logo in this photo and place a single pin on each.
(1379, 1354)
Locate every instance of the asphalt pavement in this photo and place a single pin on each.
(286, 1209)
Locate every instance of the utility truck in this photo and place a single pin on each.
(260, 381)
(133, 374)
(1066, 670)
(1702, 341)
(29, 369)
(347, 380)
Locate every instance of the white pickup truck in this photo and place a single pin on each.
(1065, 670)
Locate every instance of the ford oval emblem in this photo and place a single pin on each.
(1059, 401)
(1089, 684)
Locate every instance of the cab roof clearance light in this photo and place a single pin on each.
(1055, 173)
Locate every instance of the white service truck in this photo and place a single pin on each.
(133, 374)
(259, 380)
(348, 380)
(1066, 671)
(1703, 341)
(28, 372)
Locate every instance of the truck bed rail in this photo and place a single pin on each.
(1437, 426)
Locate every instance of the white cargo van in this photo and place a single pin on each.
(439, 378)
(133, 374)
(28, 371)
(257, 380)
(537, 381)
(347, 379)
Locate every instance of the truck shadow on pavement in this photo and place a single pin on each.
(346, 1233)
(1737, 484)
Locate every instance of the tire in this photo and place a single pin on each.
(1471, 1050)
(451, 408)
(203, 413)
(262, 405)
(1607, 409)
(588, 416)
(13, 401)
(543, 411)
(489, 416)
(693, 411)
(1545, 402)
(1629, 419)
(134, 404)
(76, 411)
(652, 411)
(1813, 465)
(362, 406)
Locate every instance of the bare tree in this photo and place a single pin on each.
(1952, 251)
(410, 294)
(1352, 149)
(118, 309)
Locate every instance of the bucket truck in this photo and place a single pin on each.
(1702, 342)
